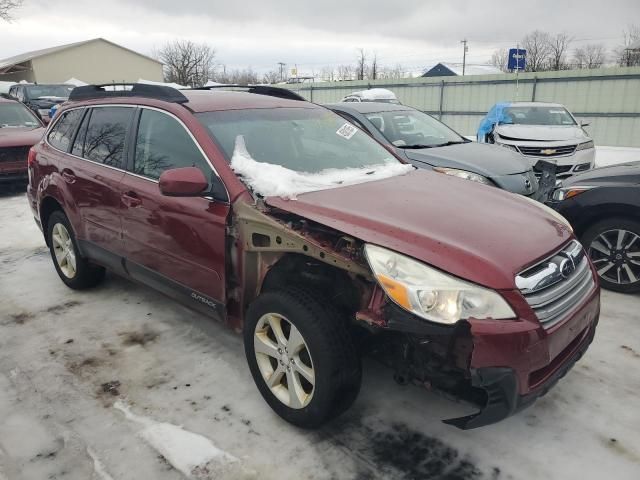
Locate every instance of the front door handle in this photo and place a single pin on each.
(68, 176)
(131, 199)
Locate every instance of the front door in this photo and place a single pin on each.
(177, 245)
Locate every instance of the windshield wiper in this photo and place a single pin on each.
(456, 142)
(417, 145)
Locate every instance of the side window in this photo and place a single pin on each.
(105, 135)
(20, 94)
(78, 144)
(62, 132)
(162, 143)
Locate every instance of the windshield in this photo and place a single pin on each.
(285, 151)
(413, 129)
(38, 91)
(17, 115)
(537, 116)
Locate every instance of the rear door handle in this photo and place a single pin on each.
(68, 176)
(131, 199)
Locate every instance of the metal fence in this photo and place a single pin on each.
(608, 98)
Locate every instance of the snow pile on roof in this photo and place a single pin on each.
(76, 82)
(271, 180)
(166, 84)
(375, 94)
(192, 454)
(211, 83)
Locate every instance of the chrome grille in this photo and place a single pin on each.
(14, 154)
(547, 152)
(557, 284)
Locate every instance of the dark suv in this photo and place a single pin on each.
(41, 97)
(282, 220)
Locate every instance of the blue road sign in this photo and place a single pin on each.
(517, 59)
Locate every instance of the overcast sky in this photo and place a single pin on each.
(414, 33)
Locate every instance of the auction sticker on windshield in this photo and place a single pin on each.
(347, 131)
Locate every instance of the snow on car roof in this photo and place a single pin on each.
(374, 94)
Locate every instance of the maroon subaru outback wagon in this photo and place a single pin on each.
(280, 219)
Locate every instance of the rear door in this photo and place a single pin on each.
(176, 245)
(92, 171)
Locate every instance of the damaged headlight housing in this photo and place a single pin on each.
(455, 172)
(430, 293)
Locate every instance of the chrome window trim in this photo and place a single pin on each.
(127, 172)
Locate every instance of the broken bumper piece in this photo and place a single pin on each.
(501, 387)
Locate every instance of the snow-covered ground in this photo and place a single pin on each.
(121, 383)
(606, 156)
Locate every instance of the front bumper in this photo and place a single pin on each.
(501, 386)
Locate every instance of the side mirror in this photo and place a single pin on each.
(584, 123)
(183, 182)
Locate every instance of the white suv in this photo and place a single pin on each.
(540, 131)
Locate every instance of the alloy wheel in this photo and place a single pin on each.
(616, 256)
(284, 360)
(63, 250)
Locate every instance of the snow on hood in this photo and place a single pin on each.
(271, 180)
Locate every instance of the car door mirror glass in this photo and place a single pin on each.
(183, 182)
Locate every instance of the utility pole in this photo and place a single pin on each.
(282, 65)
(464, 55)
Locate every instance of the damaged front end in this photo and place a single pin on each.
(501, 363)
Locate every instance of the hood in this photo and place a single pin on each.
(475, 232)
(625, 173)
(487, 160)
(20, 136)
(543, 133)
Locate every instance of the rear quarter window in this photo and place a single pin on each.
(105, 135)
(62, 132)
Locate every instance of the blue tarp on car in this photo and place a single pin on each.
(493, 117)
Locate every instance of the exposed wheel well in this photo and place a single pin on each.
(332, 283)
(47, 207)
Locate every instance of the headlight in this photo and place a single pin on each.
(510, 147)
(474, 177)
(568, 192)
(430, 293)
(585, 145)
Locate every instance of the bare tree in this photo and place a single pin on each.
(272, 76)
(625, 56)
(500, 59)
(592, 55)
(6, 7)
(538, 51)
(373, 68)
(558, 49)
(361, 64)
(345, 72)
(328, 74)
(187, 63)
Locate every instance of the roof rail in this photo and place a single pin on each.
(159, 92)
(260, 90)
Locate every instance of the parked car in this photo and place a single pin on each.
(603, 205)
(425, 142)
(288, 223)
(379, 95)
(40, 97)
(20, 129)
(539, 130)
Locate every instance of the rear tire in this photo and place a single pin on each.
(614, 247)
(301, 340)
(73, 269)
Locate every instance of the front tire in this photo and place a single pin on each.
(73, 269)
(614, 248)
(301, 356)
